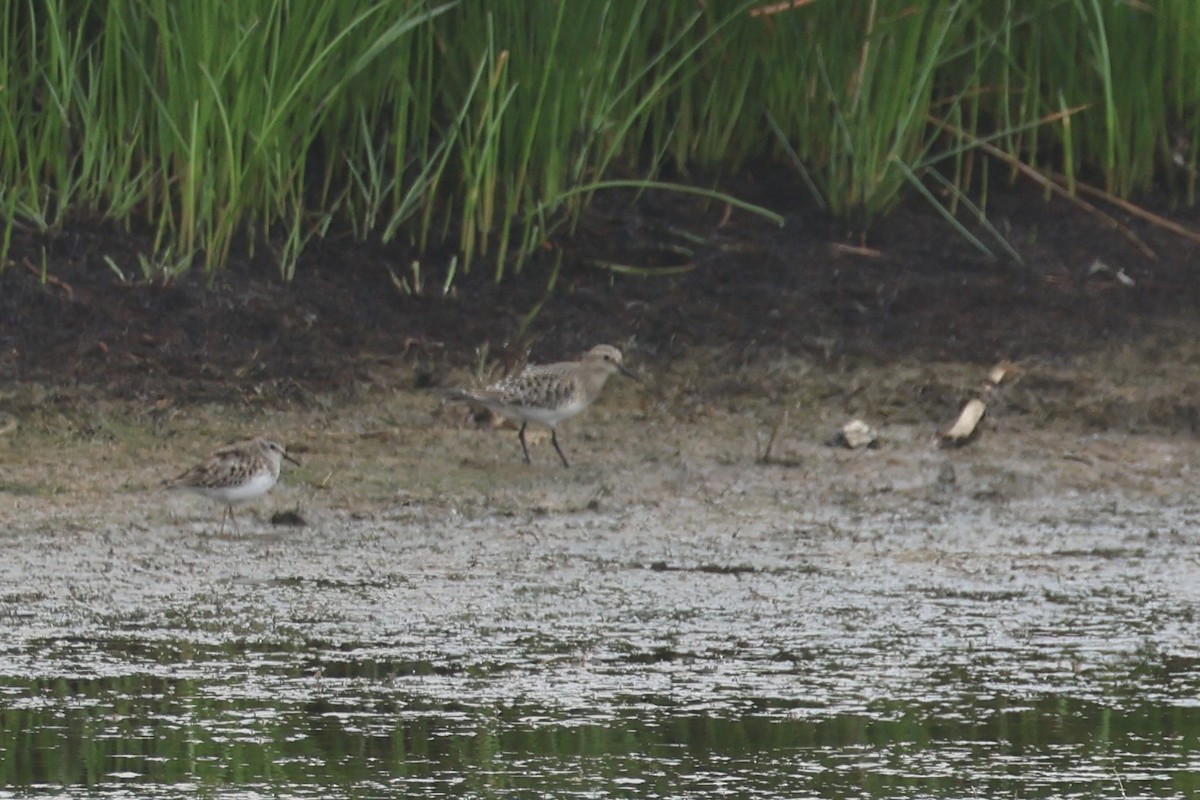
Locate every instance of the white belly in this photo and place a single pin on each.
(257, 486)
(543, 416)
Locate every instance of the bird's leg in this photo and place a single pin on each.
(554, 440)
(229, 513)
(524, 447)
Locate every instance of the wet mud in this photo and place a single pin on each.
(800, 626)
(712, 599)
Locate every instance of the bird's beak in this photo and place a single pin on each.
(289, 458)
(628, 373)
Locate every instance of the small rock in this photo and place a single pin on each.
(855, 434)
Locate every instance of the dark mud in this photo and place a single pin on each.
(752, 292)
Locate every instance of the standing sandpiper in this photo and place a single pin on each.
(235, 473)
(549, 393)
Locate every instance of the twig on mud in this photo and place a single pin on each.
(965, 428)
(765, 456)
(46, 277)
(854, 250)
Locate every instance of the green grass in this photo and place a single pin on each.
(486, 129)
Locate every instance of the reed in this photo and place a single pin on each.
(485, 130)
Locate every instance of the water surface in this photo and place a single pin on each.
(960, 649)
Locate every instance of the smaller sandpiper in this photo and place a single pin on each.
(547, 394)
(235, 473)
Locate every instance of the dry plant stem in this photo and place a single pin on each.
(1042, 180)
(50, 279)
(1135, 210)
(853, 250)
(776, 8)
(964, 428)
(765, 458)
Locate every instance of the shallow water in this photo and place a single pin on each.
(951, 649)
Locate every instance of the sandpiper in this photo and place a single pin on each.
(549, 393)
(235, 473)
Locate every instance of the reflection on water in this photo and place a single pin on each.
(158, 737)
(1057, 662)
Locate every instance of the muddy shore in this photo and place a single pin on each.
(415, 610)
